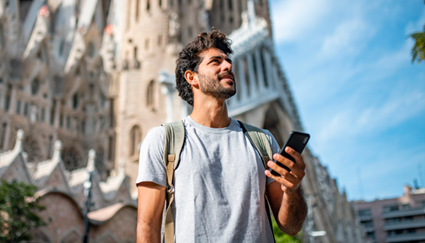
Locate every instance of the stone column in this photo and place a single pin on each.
(260, 72)
(242, 80)
(252, 82)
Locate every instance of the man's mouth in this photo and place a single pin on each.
(228, 78)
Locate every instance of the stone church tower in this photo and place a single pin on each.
(97, 75)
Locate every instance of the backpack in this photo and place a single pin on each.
(173, 145)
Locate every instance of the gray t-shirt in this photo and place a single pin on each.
(219, 183)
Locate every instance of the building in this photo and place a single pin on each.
(97, 75)
(399, 219)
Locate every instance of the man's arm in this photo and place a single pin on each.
(285, 194)
(149, 213)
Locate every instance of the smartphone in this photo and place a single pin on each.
(297, 141)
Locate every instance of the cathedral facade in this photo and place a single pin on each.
(83, 81)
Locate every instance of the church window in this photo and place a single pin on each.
(135, 139)
(150, 94)
(35, 86)
(8, 95)
(159, 40)
(83, 127)
(72, 158)
(110, 147)
(50, 146)
(160, 3)
(221, 4)
(148, 5)
(68, 122)
(32, 148)
(52, 113)
(137, 9)
(3, 135)
(18, 107)
(230, 2)
(75, 101)
(90, 49)
(99, 161)
(61, 121)
(231, 19)
(111, 113)
(240, 10)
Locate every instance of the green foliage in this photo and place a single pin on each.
(418, 50)
(18, 209)
(284, 238)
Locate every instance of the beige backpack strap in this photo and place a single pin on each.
(173, 145)
(259, 141)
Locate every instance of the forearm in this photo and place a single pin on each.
(292, 212)
(147, 233)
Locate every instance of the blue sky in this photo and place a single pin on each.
(359, 95)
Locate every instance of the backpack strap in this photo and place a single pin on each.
(173, 145)
(261, 144)
(259, 141)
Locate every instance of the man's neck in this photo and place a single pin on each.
(211, 113)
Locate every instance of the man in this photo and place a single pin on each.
(221, 181)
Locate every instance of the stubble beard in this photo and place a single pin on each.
(211, 85)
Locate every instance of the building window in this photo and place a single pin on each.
(18, 107)
(371, 235)
(390, 208)
(159, 40)
(35, 86)
(135, 139)
(393, 221)
(148, 5)
(75, 101)
(230, 2)
(25, 109)
(3, 135)
(160, 3)
(368, 224)
(365, 212)
(150, 94)
(8, 95)
(43, 114)
(111, 113)
(110, 147)
(405, 206)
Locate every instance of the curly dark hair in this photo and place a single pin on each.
(189, 58)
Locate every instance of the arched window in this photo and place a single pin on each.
(150, 94)
(135, 139)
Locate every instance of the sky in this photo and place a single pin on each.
(358, 93)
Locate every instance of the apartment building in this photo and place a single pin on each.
(399, 219)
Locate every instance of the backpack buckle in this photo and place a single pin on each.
(170, 189)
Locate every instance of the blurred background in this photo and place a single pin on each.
(83, 81)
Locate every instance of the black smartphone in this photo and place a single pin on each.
(297, 141)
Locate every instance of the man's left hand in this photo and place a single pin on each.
(289, 181)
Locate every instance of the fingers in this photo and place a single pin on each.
(297, 156)
(297, 169)
(282, 172)
(288, 184)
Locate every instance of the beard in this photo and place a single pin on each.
(211, 85)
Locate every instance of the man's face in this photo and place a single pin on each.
(215, 74)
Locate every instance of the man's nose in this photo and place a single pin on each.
(227, 66)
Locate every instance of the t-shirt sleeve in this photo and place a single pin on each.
(275, 149)
(151, 165)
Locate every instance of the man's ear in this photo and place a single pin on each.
(191, 77)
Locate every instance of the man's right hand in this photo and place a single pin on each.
(149, 212)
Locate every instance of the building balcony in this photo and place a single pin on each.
(369, 229)
(365, 217)
(403, 213)
(406, 237)
(405, 225)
